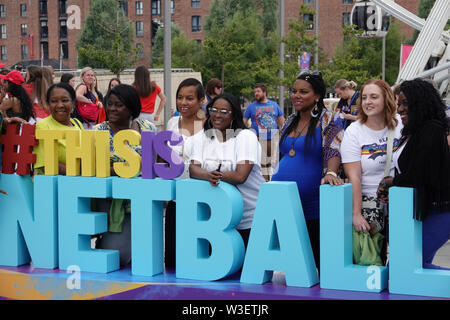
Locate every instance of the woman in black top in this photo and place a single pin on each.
(423, 162)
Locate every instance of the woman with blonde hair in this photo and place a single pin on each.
(147, 91)
(88, 104)
(366, 154)
(347, 106)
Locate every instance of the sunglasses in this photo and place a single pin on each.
(222, 113)
(315, 73)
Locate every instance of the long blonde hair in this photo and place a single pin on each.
(390, 107)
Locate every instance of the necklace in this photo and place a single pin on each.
(292, 151)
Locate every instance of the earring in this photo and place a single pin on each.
(315, 111)
(231, 124)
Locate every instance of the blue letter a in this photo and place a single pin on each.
(279, 238)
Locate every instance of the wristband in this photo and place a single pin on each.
(332, 173)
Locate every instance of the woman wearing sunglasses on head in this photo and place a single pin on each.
(309, 149)
(227, 151)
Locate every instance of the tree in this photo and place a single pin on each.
(185, 53)
(359, 59)
(221, 9)
(107, 38)
(231, 48)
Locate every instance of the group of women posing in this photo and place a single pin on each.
(218, 147)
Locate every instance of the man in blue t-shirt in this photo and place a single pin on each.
(265, 116)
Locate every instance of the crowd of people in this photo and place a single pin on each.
(375, 138)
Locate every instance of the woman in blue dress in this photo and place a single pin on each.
(309, 149)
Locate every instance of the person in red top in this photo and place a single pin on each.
(148, 91)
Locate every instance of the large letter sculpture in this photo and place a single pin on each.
(279, 239)
(196, 226)
(336, 251)
(27, 227)
(147, 200)
(77, 223)
(405, 251)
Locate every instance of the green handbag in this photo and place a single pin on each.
(366, 249)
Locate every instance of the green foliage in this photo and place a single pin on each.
(231, 49)
(222, 9)
(185, 53)
(107, 38)
(360, 59)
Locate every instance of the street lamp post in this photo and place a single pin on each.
(281, 92)
(316, 33)
(167, 61)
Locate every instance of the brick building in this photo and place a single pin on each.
(48, 29)
(31, 30)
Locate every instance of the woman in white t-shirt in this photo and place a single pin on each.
(363, 149)
(190, 96)
(228, 151)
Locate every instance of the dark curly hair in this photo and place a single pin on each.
(424, 104)
(26, 105)
(129, 97)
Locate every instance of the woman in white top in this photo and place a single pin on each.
(364, 146)
(190, 96)
(228, 151)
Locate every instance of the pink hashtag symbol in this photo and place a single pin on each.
(18, 148)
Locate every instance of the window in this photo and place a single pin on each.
(44, 29)
(44, 49)
(139, 29)
(3, 53)
(195, 3)
(64, 50)
(62, 29)
(124, 5)
(139, 8)
(308, 19)
(43, 7)
(2, 11)
(140, 52)
(346, 19)
(23, 10)
(196, 23)
(2, 31)
(172, 7)
(23, 29)
(156, 7)
(62, 6)
(308, 2)
(24, 51)
(347, 1)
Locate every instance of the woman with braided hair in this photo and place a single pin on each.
(309, 149)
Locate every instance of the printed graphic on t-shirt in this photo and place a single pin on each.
(264, 118)
(375, 150)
